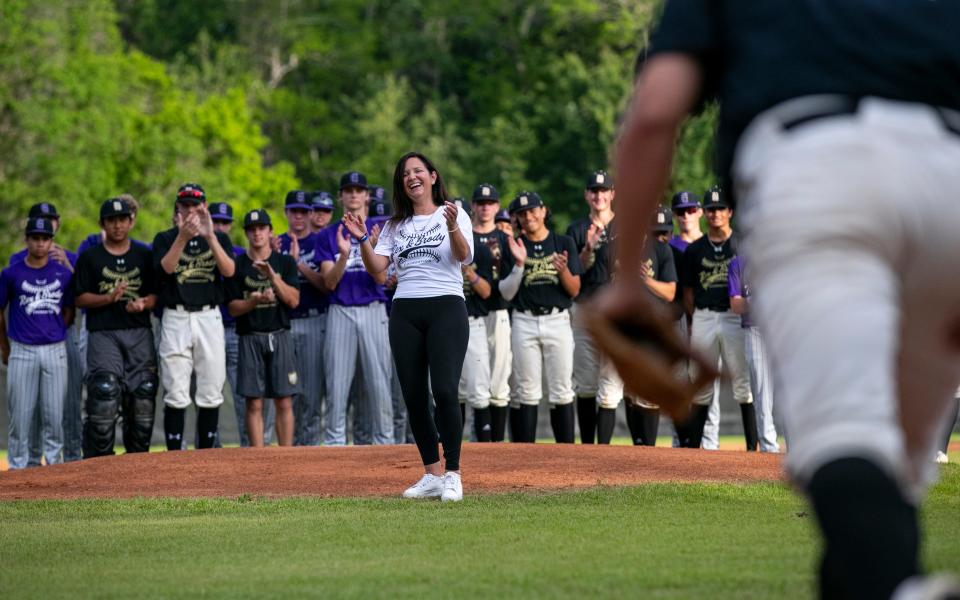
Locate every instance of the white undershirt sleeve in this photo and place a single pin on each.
(510, 285)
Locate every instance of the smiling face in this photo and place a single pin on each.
(117, 228)
(418, 181)
(531, 220)
(258, 236)
(718, 218)
(598, 199)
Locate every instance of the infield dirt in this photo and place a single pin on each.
(355, 471)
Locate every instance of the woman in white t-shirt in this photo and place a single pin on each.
(427, 240)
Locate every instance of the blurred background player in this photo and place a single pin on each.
(322, 210)
(543, 279)
(115, 284)
(308, 318)
(592, 236)
(504, 222)
(192, 259)
(36, 292)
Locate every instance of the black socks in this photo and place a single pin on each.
(498, 422)
(749, 414)
(207, 422)
(871, 534)
(174, 421)
(606, 419)
(587, 416)
(481, 424)
(561, 418)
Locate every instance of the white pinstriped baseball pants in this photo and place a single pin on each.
(852, 229)
(36, 381)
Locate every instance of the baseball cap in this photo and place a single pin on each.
(115, 207)
(461, 202)
(257, 216)
(191, 192)
(322, 201)
(221, 211)
(353, 179)
(380, 207)
(297, 199)
(41, 225)
(485, 192)
(502, 217)
(663, 220)
(378, 193)
(525, 201)
(43, 209)
(599, 180)
(684, 200)
(715, 198)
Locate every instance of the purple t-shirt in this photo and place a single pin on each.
(36, 298)
(311, 299)
(18, 257)
(229, 321)
(357, 287)
(678, 243)
(737, 286)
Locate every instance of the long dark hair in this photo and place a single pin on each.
(402, 205)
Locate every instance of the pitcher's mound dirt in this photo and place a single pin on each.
(376, 471)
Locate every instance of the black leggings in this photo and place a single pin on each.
(430, 334)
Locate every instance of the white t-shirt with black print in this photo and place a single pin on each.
(419, 247)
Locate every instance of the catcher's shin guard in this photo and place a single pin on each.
(606, 420)
(587, 417)
(104, 394)
(138, 416)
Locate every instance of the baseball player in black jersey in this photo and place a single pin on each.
(861, 324)
(263, 289)
(191, 260)
(659, 274)
(716, 330)
(114, 282)
(597, 393)
(543, 279)
(486, 204)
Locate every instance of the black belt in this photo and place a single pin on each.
(849, 105)
(542, 311)
(191, 308)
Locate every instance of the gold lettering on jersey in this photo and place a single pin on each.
(111, 279)
(540, 271)
(196, 269)
(714, 273)
(259, 284)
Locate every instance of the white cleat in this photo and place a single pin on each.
(928, 587)
(942, 458)
(452, 488)
(429, 486)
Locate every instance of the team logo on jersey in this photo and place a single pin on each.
(714, 273)
(41, 298)
(196, 269)
(540, 271)
(258, 284)
(113, 278)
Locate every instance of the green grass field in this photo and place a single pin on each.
(658, 541)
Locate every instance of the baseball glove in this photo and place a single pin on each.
(646, 350)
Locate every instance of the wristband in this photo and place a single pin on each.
(363, 239)
(475, 279)
(452, 230)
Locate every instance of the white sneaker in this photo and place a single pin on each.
(429, 486)
(452, 488)
(942, 458)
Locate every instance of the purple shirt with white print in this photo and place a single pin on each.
(36, 298)
(737, 286)
(356, 287)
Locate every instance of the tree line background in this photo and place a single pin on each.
(252, 98)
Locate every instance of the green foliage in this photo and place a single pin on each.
(251, 98)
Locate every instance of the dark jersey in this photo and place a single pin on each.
(99, 272)
(601, 270)
(540, 289)
(705, 267)
(658, 262)
(496, 242)
(264, 318)
(678, 259)
(483, 264)
(756, 55)
(196, 281)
